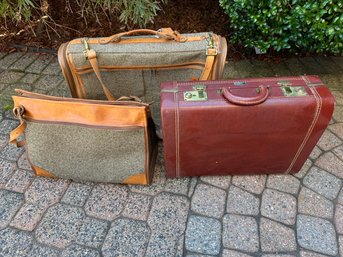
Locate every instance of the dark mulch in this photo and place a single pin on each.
(181, 15)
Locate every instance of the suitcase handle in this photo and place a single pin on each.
(166, 33)
(263, 93)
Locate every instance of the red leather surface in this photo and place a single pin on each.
(218, 137)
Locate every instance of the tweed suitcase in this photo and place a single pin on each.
(134, 63)
(248, 126)
(88, 140)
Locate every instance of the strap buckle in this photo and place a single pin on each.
(211, 51)
(85, 52)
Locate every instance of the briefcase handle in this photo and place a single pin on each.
(166, 33)
(263, 93)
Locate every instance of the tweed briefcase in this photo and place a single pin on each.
(137, 61)
(88, 140)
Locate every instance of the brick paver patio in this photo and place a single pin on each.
(269, 216)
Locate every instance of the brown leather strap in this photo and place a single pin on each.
(166, 33)
(18, 131)
(91, 55)
(206, 73)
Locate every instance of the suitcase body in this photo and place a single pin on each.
(134, 63)
(249, 126)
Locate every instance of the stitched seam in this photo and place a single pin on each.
(314, 122)
(177, 136)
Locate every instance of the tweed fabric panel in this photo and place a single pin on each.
(142, 83)
(142, 59)
(86, 153)
(119, 82)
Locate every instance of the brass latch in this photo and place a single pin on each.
(199, 94)
(293, 91)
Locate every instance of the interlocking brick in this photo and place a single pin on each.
(39, 250)
(126, 238)
(208, 200)
(169, 213)
(203, 235)
(279, 206)
(60, 225)
(316, 152)
(28, 216)
(48, 82)
(192, 186)
(231, 71)
(322, 182)
(295, 66)
(314, 204)
(137, 207)
(92, 233)
(40, 63)
(79, 251)
(276, 237)
(9, 59)
(231, 253)
(242, 202)
(53, 68)
(304, 169)
(177, 186)
(10, 203)
(253, 184)
(285, 183)
(331, 163)
(162, 244)
(45, 190)
(218, 181)
(316, 234)
(10, 77)
(106, 201)
(29, 78)
(24, 61)
(338, 113)
(6, 126)
(7, 169)
(240, 233)
(11, 152)
(339, 152)
(20, 181)
(339, 218)
(338, 95)
(311, 254)
(23, 162)
(14, 242)
(76, 194)
(328, 141)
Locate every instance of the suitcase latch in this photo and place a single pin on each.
(199, 94)
(293, 91)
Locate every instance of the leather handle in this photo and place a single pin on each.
(241, 100)
(18, 131)
(166, 33)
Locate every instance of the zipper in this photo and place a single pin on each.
(124, 128)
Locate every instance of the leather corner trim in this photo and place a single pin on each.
(137, 179)
(42, 172)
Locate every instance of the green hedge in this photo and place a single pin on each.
(298, 25)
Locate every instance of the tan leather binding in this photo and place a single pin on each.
(103, 115)
(140, 179)
(41, 172)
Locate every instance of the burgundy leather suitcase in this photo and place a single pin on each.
(248, 126)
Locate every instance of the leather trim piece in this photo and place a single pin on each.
(41, 172)
(62, 59)
(101, 115)
(137, 179)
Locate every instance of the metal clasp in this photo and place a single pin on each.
(289, 91)
(199, 94)
(211, 45)
(86, 47)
